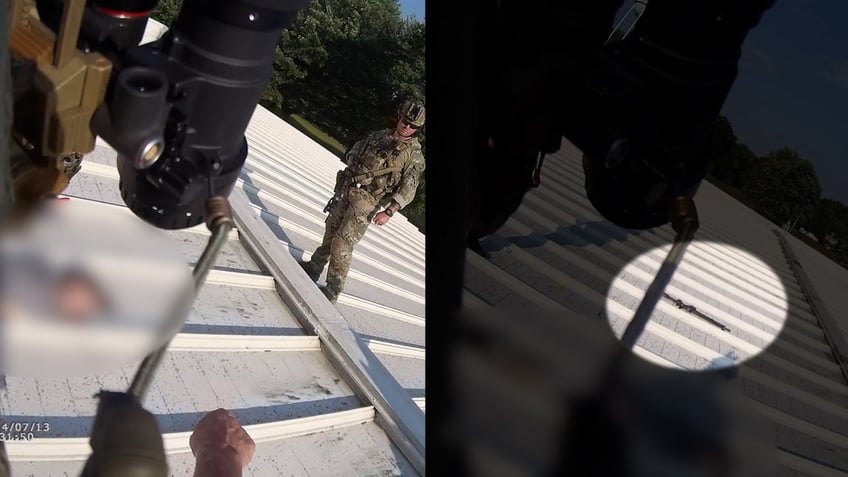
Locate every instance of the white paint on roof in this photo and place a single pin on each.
(187, 383)
(355, 447)
(78, 449)
(213, 342)
(394, 349)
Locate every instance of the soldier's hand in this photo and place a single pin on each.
(381, 218)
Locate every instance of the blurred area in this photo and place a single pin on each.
(548, 394)
(86, 287)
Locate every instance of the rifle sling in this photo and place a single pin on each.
(377, 173)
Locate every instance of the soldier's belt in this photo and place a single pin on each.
(378, 193)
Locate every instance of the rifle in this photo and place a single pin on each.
(344, 179)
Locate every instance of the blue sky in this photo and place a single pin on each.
(413, 7)
(792, 88)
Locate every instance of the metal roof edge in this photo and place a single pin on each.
(401, 418)
(834, 337)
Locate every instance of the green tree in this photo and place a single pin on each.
(415, 211)
(166, 11)
(719, 148)
(730, 161)
(743, 161)
(360, 58)
(840, 251)
(301, 48)
(829, 222)
(784, 187)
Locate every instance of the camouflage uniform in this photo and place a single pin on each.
(349, 218)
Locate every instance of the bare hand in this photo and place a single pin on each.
(381, 218)
(220, 432)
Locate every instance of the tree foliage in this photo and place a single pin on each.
(829, 222)
(166, 11)
(781, 186)
(346, 65)
(784, 187)
(731, 161)
(721, 142)
(840, 251)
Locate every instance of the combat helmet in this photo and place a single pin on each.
(412, 112)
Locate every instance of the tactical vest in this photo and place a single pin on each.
(378, 155)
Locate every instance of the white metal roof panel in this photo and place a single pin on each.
(369, 320)
(292, 178)
(262, 387)
(408, 370)
(357, 449)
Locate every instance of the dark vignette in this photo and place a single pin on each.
(452, 84)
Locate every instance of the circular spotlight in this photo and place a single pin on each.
(723, 306)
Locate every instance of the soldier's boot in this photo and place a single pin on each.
(331, 293)
(474, 245)
(311, 269)
(334, 285)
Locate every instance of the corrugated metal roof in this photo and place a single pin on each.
(245, 349)
(557, 253)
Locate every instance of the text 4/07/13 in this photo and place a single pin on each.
(17, 427)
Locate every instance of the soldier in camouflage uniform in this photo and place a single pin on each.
(383, 171)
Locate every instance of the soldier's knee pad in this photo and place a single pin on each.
(352, 234)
